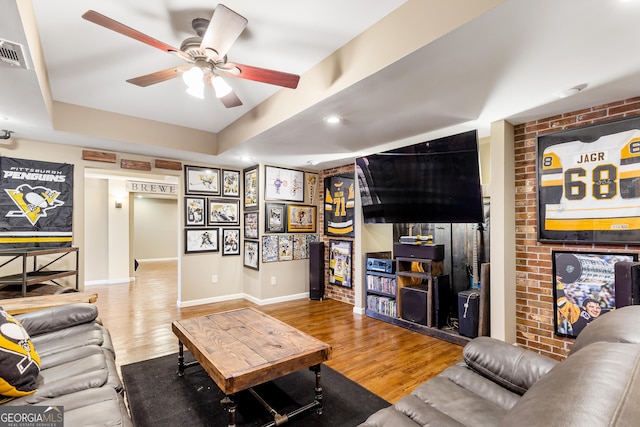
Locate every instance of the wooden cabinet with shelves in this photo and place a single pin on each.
(30, 273)
(415, 272)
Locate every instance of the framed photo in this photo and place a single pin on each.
(300, 246)
(311, 184)
(251, 225)
(230, 241)
(251, 188)
(200, 180)
(340, 262)
(224, 212)
(583, 288)
(301, 218)
(589, 184)
(230, 183)
(339, 205)
(195, 211)
(251, 254)
(274, 217)
(285, 247)
(269, 248)
(200, 240)
(283, 184)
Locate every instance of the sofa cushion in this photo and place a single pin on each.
(56, 318)
(389, 417)
(92, 407)
(620, 325)
(599, 386)
(70, 338)
(458, 403)
(19, 361)
(512, 367)
(468, 379)
(80, 369)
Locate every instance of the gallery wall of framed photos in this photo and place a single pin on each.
(212, 210)
(290, 217)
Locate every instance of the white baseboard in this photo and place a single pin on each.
(211, 300)
(358, 310)
(242, 296)
(108, 282)
(141, 261)
(277, 299)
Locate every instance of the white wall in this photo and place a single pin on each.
(155, 223)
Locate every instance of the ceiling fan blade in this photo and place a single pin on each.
(100, 19)
(158, 76)
(224, 28)
(263, 75)
(230, 100)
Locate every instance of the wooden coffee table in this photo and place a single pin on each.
(243, 348)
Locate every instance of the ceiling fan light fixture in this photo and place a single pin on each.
(196, 91)
(193, 77)
(221, 87)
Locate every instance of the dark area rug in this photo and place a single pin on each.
(158, 397)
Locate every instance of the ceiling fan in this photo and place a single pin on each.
(206, 54)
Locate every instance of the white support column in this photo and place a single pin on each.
(118, 245)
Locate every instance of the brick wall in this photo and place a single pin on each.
(339, 293)
(534, 293)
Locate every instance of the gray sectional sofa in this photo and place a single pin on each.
(77, 366)
(498, 384)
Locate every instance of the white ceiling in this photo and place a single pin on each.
(508, 64)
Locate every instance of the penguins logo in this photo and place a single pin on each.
(33, 202)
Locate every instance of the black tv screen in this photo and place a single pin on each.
(433, 181)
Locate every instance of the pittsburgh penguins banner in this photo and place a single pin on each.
(36, 203)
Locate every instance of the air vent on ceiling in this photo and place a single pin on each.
(12, 54)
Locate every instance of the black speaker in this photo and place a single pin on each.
(413, 300)
(627, 283)
(441, 300)
(316, 270)
(468, 313)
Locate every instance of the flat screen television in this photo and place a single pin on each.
(435, 181)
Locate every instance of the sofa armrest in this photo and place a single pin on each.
(56, 318)
(513, 368)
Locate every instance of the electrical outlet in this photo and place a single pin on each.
(273, 280)
(214, 278)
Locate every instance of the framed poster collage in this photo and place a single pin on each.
(212, 204)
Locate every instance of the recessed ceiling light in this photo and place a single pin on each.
(333, 119)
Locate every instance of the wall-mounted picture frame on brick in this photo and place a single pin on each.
(588, 181)
(584, 288)
(340, 264)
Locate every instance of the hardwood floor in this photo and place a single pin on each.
(386, 359)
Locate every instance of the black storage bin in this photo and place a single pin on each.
(468, 312)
